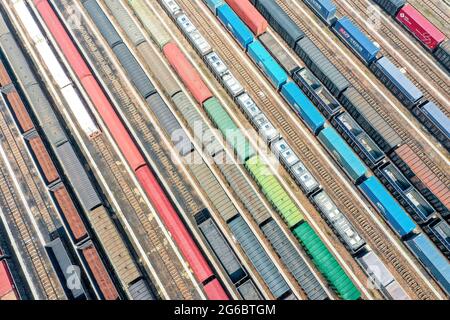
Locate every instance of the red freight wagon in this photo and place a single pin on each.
(44, 160)
(7, 288)
(20, 111)
(4, 77)
(214, 291)
(251, 17)
(187, 73)
(420, 27)
(70, 213)
(100, 273)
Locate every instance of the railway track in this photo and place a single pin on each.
(438, 167)
(434, 77)
(342, 197)
(17, 215)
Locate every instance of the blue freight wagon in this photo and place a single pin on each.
(397, 82)
(436, 264)
(267, 63)
(235, 25)
(303, 106)
(387, 206)
(356, 40)
(214, 4)
(325, 9)
(436, 122)
(348, 160)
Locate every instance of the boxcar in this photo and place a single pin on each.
(343, 154)
(354, 38)
(234, 24)
(397, 82)
(430, 257)
(420, 27)
(387, 206)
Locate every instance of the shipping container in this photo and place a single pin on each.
(338, 222)
(303, 107)
(190, 77)
(405, 193)
(436, 122)
(385, 204)
(274, 191)
(251, 17)
(391, 6)
(420, 27)
(325, 9)
(233, 135)
(435, 189)
(325, 262)
(170, 124)
(319, 95)
(242, 188)
(295, 263)
(358, 139)
(151, 23)
(262, 58)
(370, 120)
(343, 154)
(100, 273)
(102, 22)
(140, 291)
(221, 248)
(433, 261)
(70, 213)
(77, 176)
(5, 80)
(234, 24)
(248, 291)
(442, 54)
(215, 192)
(65, 270)
(279, 53)
(403, 88)
(279, 21)
(319, 64)
(354, 38)
(261, 261)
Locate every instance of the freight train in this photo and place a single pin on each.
(427, 112)
(157, 196)
(269, 184)
(88, 198)
(374, 191)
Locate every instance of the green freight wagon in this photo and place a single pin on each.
(275, 193)
(326, 263)
(228, 128)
